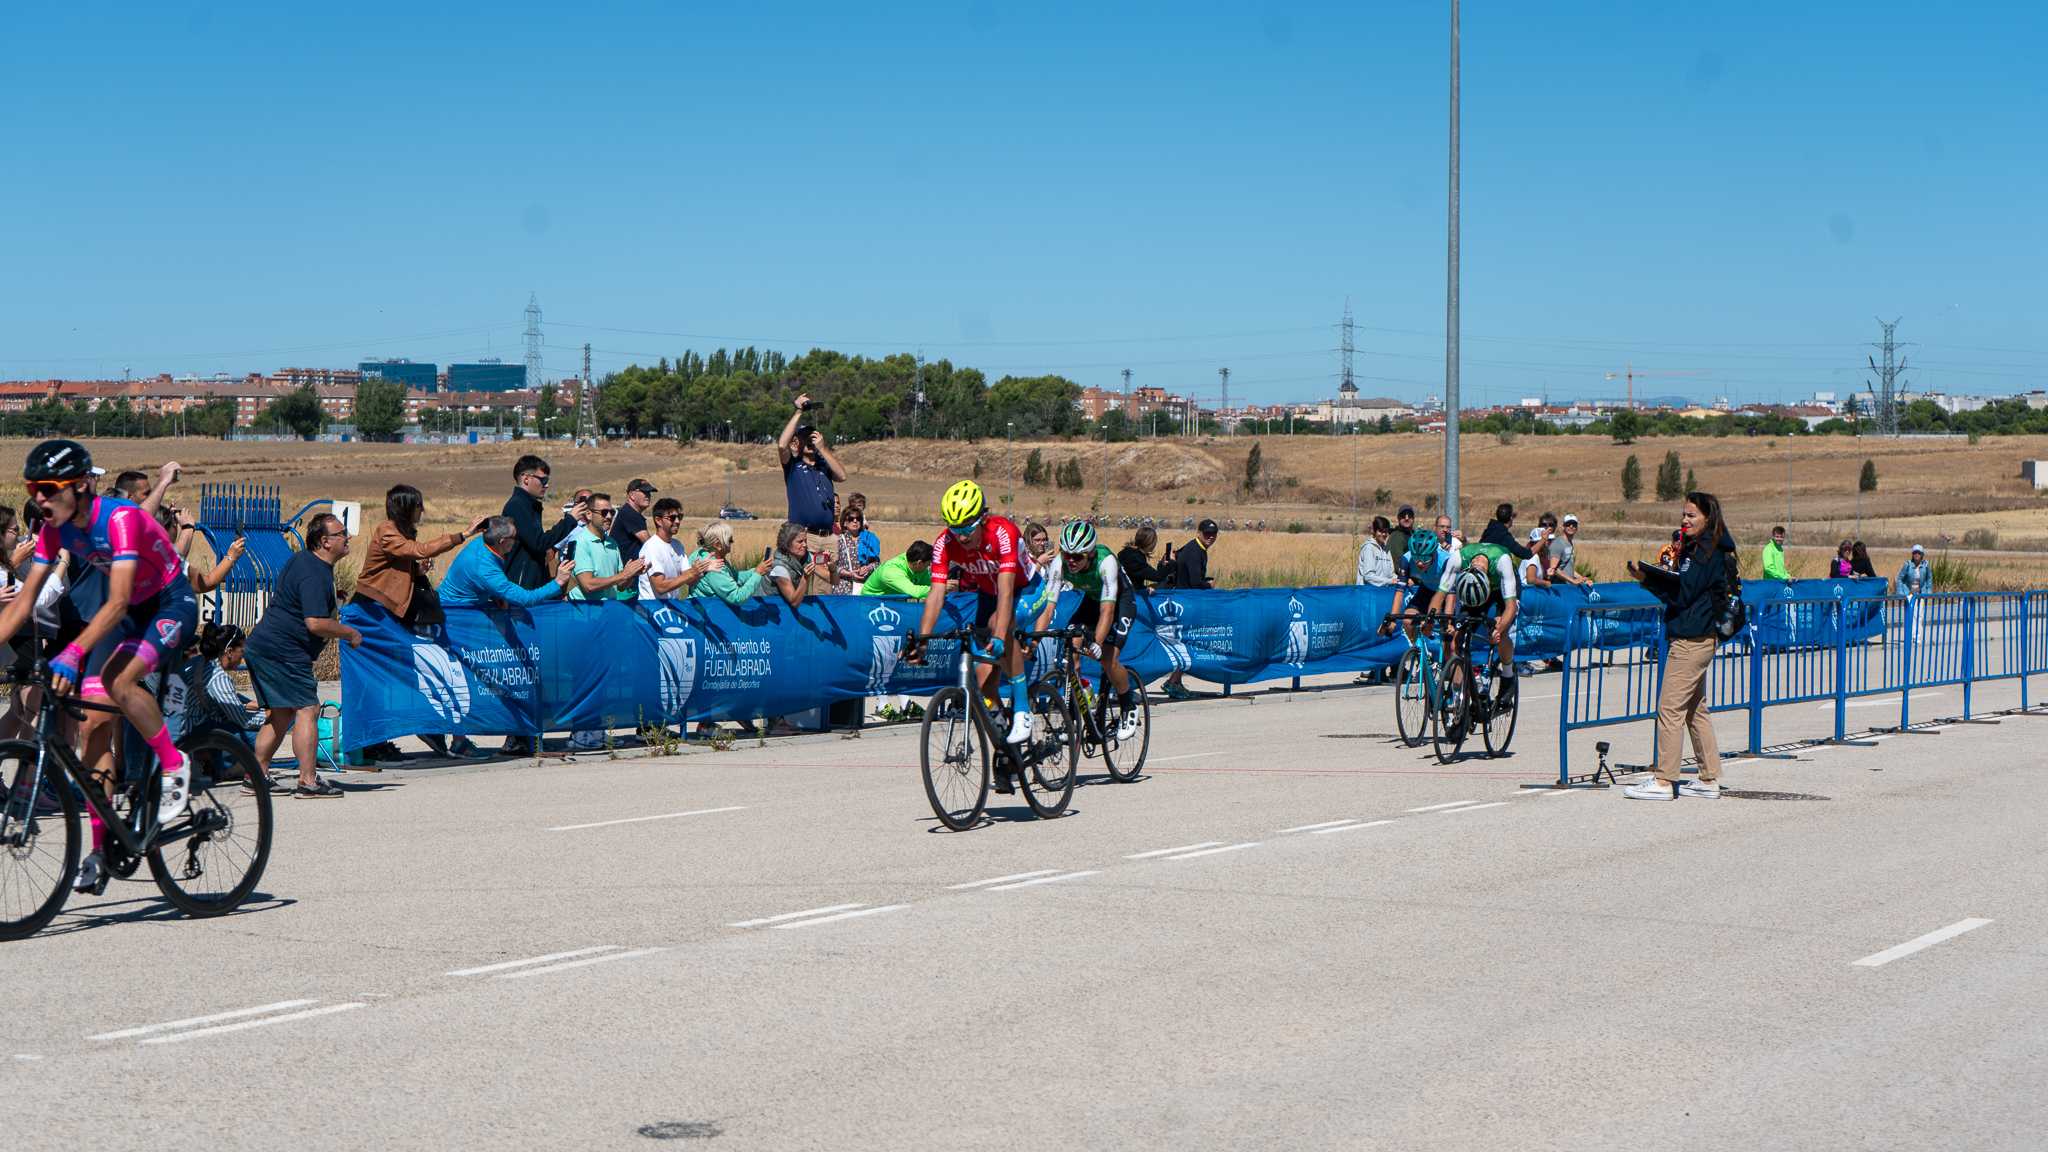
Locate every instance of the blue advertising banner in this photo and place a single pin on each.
(615, 664)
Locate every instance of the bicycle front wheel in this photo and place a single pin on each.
(209, 860)
(1500, 726)
(1126, 758)
(1412, 703)
(38, 842)
(1453, 719)
(1056, 742)
(955, 761)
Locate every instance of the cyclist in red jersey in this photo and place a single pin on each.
(989, 551)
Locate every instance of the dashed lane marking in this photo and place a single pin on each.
(1880, 959)
(1000, 879)
(1171, 851)
(531, 960)
(645, 819)
(1315, 827)
(192, 1021)
(1214, 851)
(604, 958)
(842, 916)
(259, 1022)
(1055, 879)
(1348, 827)
(795, 915)
(1441, 807)
(1475, 807)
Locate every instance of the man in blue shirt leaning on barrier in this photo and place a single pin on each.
(477, 579)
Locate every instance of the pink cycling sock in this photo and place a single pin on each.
(99, 830)
(166, 749)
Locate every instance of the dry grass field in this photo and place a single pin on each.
(1926, 488)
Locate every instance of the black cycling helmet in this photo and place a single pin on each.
(58, 460)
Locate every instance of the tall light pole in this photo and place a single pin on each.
(1451, 302)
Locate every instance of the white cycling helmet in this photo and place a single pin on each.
(1473, 588)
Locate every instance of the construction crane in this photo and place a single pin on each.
(1629, 374)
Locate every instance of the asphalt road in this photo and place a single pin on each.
(1291, 934)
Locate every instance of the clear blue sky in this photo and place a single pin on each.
(1734, 189)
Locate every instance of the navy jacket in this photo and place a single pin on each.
(529, 565)
(1692, 595)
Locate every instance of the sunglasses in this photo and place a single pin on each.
(544, 480)
(963, 531)
(49, 487)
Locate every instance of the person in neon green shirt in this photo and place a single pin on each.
(907, 575)
(1774, 556)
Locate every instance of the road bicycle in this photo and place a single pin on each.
(206, 862)
(1101, 712)
(962, 735)
(1467, 697)
(1418, 682)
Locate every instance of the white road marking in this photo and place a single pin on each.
(547, 959)
(189, 1021)
(1348, 827)
(794, 915)
(26, 1056)
(1564, 791)
(1441, 807)
(1045, 880)
(1888, 700)
(1171, 851)
(1475, 807)
(1000, 879)
(329, 1010)
(1214, 851)
(603, 959)
(644, 819)
(1879, 959)
(1185, 756)
(1313, 827)
(842, 916)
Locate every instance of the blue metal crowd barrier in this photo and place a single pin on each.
(1805, 651)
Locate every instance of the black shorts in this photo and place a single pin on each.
(1089, 613)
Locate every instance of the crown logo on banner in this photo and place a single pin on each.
(1294, 607)
(885, 618)
(1171, 609)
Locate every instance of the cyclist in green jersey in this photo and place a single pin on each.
(1482, 583)
(1091, 569)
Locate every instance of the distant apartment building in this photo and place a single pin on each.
(1143, 402)
(1345, 411)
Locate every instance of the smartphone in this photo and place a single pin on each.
(768, 553)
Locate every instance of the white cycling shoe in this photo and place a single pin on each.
(1020, 729)
(1127, 727)
(175, 793)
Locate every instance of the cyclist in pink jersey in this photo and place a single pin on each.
(148, 614)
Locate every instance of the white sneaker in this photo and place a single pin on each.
(1651, 789)
(1703, 789)
(1127, 728)
(175, 795)
(89, 871)
(1020, 728)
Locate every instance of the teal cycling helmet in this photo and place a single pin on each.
(1421, 548)
(1077, 537)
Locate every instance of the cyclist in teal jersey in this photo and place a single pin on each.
(1091, 569)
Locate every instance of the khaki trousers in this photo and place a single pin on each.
(1682, 707)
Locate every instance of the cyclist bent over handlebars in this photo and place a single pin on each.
(987, 550)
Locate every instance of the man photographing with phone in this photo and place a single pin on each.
(808, 471)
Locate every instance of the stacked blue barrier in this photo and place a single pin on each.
(568, 666)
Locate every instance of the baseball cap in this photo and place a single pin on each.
(1919, 549)
(1535, 534)
(638, 485)
(1570, 518)
(1406, 510)
(1206, 528)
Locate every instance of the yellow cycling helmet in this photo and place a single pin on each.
(962, 504)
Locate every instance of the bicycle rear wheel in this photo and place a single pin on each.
(1056, 742)
(1412, 704)
(1453, 718)
(1500, 726)
(955, 761)
(1126, 758)
(39, 842)
(209, 860)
